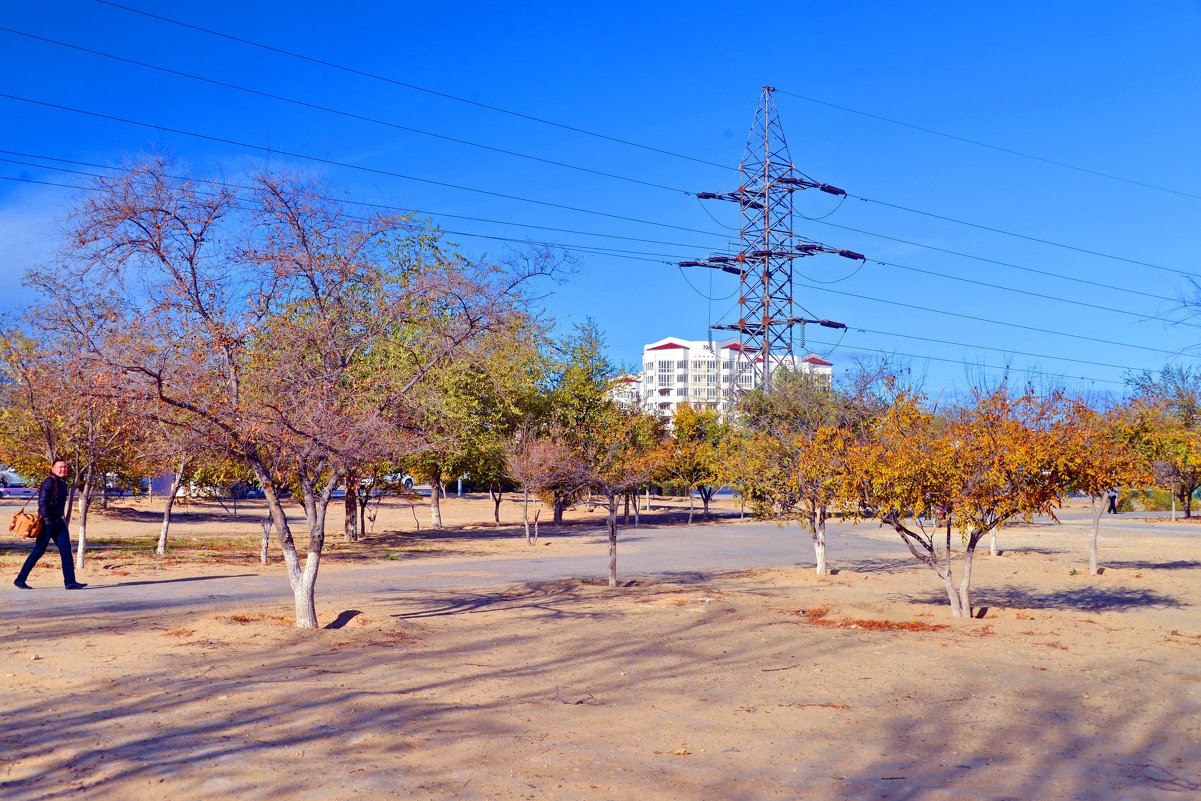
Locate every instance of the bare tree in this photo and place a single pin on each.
(284, 330)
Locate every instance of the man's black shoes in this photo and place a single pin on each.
(21, 584)
(75, 585)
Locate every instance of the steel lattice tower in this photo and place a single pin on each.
(768, 244)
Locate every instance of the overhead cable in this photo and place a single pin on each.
(998, 148)
(407, 85)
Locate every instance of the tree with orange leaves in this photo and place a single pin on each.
(1102, 456)
(925, 473)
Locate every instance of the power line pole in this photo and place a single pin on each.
(768, 244)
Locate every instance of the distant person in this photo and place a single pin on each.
(1113, 502)
(52, 505)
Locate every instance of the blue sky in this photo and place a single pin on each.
(1106, 86)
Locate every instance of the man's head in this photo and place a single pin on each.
(59, 468)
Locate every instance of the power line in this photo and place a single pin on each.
(366, 204)
(1021, 236)
(962, 316)
(594, 251)
(406, 85)
(998, 350)
(998, 262)
(649, 256)
(640, 256)
(1006, 368)
(540, 159)
(998, 148)
(335, 163)
(518, 154)
(1026, 292)
(342, 113)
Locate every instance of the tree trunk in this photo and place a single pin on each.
(690, 504)
(626, 519)
(965, 584)
(436, 501)
(525, 515)
(1092, 540)
(1188, 505)
(612, 540)
(266, 540)
(537, 514)
(706, 496)
(495, 491)
(818, 530)
(636, 510)
(350, 525)
(560, 505)
(948, 579)
(177, 483)
(85, 499)
(992, 542)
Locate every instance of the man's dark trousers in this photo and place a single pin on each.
(56, 531)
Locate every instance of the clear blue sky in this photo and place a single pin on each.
(1107, 86)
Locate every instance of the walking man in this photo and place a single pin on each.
(52, 504)
(1113, 502)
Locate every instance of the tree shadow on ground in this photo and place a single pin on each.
(172, 581)
(1083, 599)
(1179, 564)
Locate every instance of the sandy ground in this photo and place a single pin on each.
(753, 685)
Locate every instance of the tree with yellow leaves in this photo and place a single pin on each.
(1102, 457)
(926, 473)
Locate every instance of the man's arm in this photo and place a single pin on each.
(45, 496)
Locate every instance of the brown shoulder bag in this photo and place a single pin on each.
(25, 524)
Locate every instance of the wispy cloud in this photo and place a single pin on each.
(29, 236)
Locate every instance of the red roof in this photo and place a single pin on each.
(819, 360)
(668, 346)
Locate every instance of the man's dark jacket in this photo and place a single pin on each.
(52, 499)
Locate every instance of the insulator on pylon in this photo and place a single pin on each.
(707, 195)
(831, 190)
(850, 254)
(691, 264)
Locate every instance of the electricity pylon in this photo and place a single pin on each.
(768, 244)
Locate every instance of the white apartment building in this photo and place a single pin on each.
(705, 375)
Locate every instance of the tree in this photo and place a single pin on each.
(579, 403)
(59, 406)
(694, 452)
(1102, 457)
(286, 331)
(988, 461)
(543, 465)
(619, 455)
(1170, 406)
(792, 460)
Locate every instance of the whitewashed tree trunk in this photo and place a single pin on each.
(819, 544)
(525, 515)
(992, 542)
(85, 499)
(266, 540)
(1097, 512)
(612, 540)
(537, 514)
(177, 482)
(690, 505)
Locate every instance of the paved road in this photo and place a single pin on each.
(681, 552)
